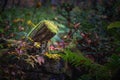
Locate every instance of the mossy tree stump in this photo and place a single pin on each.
(42, 33)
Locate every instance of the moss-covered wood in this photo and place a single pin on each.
(43, 31)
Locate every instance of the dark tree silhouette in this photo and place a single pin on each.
(3, 4)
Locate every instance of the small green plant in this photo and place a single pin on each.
(75, 59)
(114, 63)
(114, 29)
(114, 25)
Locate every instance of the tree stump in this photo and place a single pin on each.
(43, 31)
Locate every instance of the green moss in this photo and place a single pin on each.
(50, 25)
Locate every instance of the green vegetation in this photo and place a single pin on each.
(65, 41)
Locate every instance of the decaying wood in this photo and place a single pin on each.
(42, 31)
